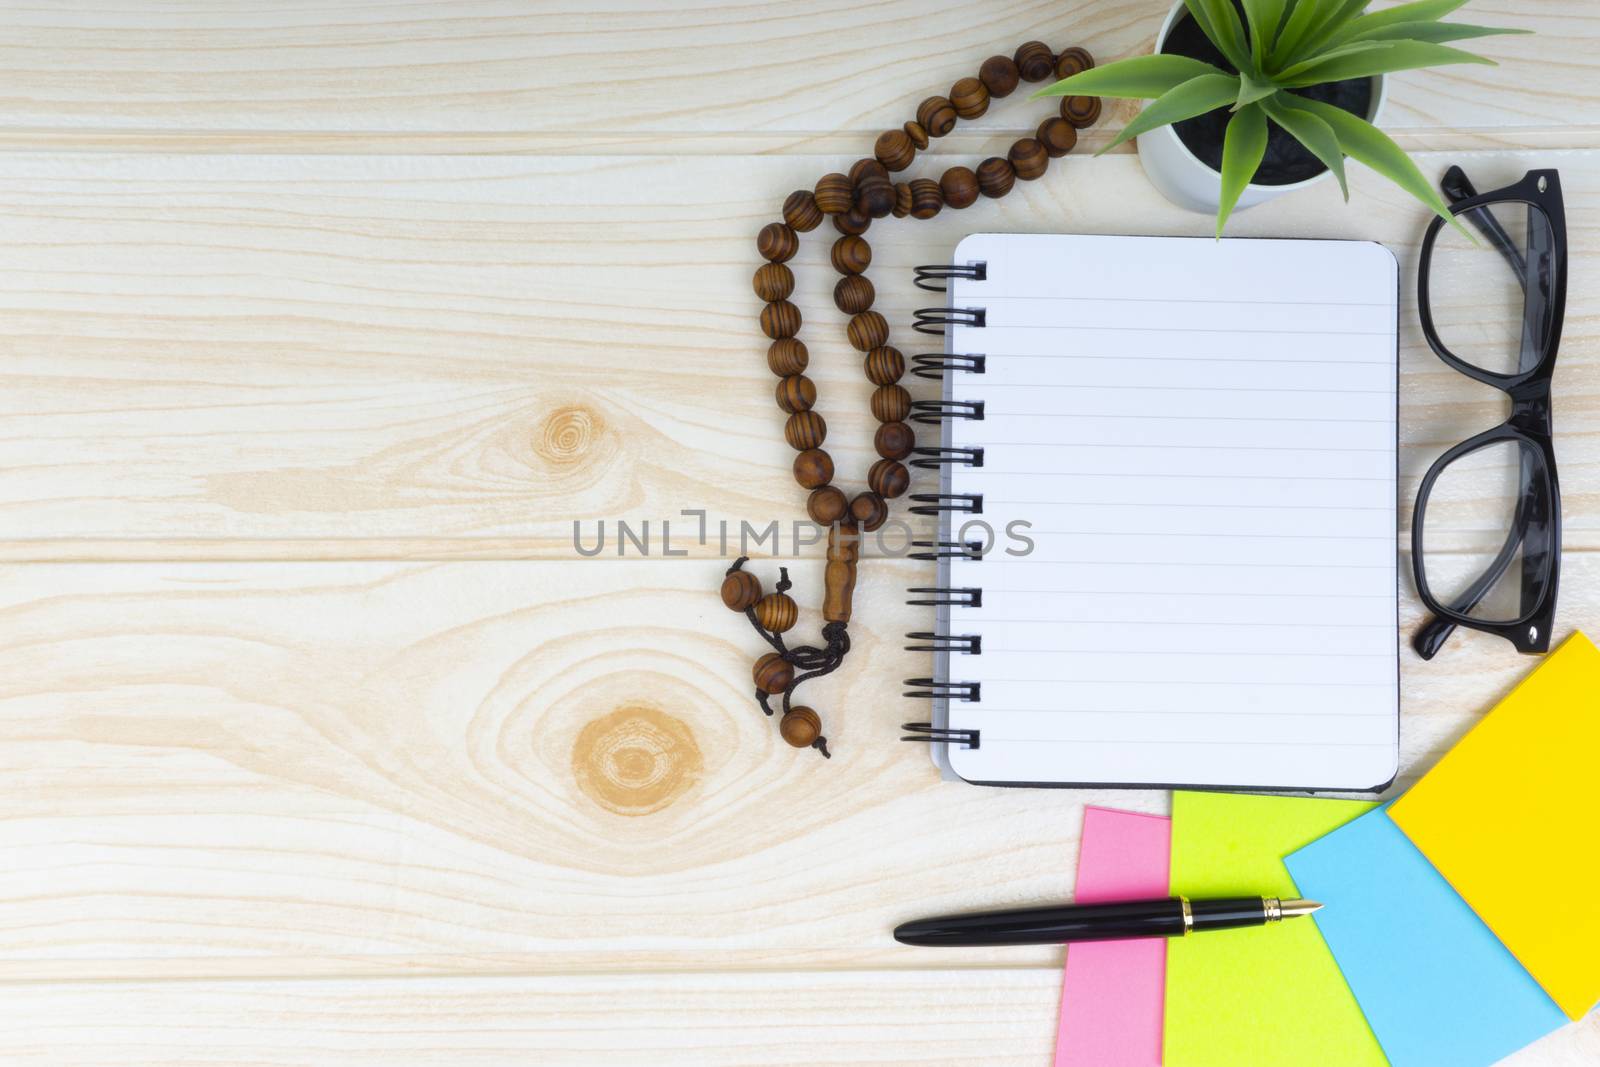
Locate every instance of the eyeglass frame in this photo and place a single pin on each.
(1530, 424)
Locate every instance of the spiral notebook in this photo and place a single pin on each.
(1199, 439)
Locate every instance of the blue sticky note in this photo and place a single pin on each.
(1435, 984)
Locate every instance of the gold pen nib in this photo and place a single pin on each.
(1291, 908)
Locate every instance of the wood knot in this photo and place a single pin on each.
(636, 760)
(568, 433)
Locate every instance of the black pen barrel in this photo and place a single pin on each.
(1051, 925)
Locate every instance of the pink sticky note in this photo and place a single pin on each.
(1111, 997)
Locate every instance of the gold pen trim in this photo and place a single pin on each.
(1188, 917)
(1272, 907)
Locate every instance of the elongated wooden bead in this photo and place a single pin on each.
(891, 403)
(918, 135)
(776, 242)
(772, 673)
(894, 150)
(936, 115)
(805, 429)
(851, 255)
(835, 193)
(926, 199)
(894, 440)
(969, 98)
(1073, 61)
(884, 365)
(854, 294)
(869, 511)
(852, 223)
(839, 579)
(740, 590)
(867, 331)
(999, 75)
(801, 212)
(1035, 62)
(813, 468)
(995, 177)
(774, 281)
(827, 505)
(1028, 159)
(902, 199)
(959, 187)
(796, 393)
(800, 726)
(1058, 136)
(777, 612)
(780, 319)
(787, 356)
(888, 478)
(1081, 111)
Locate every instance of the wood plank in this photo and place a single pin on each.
(371, 357)
(554, 76)
(368, 768)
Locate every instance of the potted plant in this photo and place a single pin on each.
(1255, 98)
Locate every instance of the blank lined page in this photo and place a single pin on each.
(1201, 438)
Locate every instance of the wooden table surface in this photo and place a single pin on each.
(323, 324)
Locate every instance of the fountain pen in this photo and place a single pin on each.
(1172, 917)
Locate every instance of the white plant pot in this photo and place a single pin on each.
(1186, 181)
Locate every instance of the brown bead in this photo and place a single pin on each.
(869, 511)
(787, 356)
(853, 295)
(796, 393)
(918, 135)
(805, 429)
(969, 98)
(902, 199)
(1028, 159)
(866, 167)
(834, 193)
(894, 440)
(867, 331)
(1058, 136)
(827, 506)
(875, 198)
(926, 199)
(772, 673)
(936, 115)
(776, 242)
(1035, 62)
(1073, 61)
(774, 281)
(740, 590)
(1081, 111)
(959, 186)
(852, 223)
(995, 177)
(999, 75)
(801, 212)
(851, 255)
(891, 403)
(800, 726)
(888, 478)
(777, 612)
(813, 468)
(894, 150)
(780, 319)
(884, 365)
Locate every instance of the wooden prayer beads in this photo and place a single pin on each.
(853, 201)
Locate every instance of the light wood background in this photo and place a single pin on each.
(323, 323)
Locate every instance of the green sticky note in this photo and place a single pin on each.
(1266, 994)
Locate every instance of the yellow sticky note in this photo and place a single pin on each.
(1267, 994)
(1510, 815)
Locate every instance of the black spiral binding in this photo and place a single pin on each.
(928, 276)
(946, 367)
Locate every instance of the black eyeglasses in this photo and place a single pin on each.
(1486, 532)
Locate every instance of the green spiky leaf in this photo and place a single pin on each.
(1220, 21)
(1417, 11)
(1194, 97)
(1315, 134)
(1243, 147)
(1433, 32)
(1387, 57)
(1337, 17)
(1138, 78)
(1251, 90)
(1301, 20)
(1263, 17)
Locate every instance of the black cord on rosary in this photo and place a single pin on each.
(809, 661)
